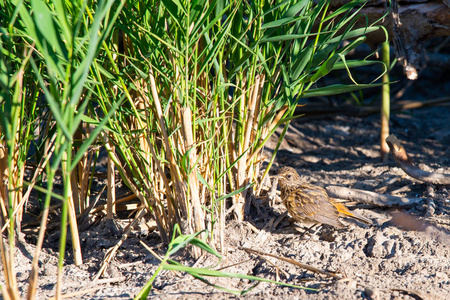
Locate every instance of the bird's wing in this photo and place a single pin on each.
(313, 203)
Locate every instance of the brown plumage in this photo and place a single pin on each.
(309, 203)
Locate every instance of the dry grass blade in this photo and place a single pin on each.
(294, 262)
(91, 290)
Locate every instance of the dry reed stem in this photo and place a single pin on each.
(16, 180)
(8, 190)
(74, 294)
(222, 220)
(5, 293)
(3, 174)
(75, 194)
(244, 165)
(258, 107)
(86, 183)
(8, 270)
(175, 174)
(76, 247)
(160, 220)
(186, 118)
(17, 195)
(198, 216)
(89, 209)
(238, 200)
(368, 197)
(76, 174)
(159, 113)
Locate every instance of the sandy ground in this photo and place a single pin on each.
(382, 261)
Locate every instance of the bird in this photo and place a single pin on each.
(310, 204)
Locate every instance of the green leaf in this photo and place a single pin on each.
(296, 8)
(286, 37)
(281, 22)
(300, 62)
(325, 68)
(44, 21)
(337, 89)
(352, 34)
(214, 273)
(234, 192)
(93, 135)
(203, 181)
(355, 64)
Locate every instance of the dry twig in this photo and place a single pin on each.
(112, 251)
(294, 262)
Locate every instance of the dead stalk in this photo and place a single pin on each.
(73, 220)
(198, 216)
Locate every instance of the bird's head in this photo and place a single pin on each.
(288, 177)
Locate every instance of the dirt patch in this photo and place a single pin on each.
(381, 261)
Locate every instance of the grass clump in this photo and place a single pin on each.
(183, 94)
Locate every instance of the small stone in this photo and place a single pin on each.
(372, 293)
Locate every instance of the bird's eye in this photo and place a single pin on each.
(289, 176)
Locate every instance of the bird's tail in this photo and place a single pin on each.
(343, 211)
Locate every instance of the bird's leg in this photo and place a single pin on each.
(309, 230)
(278, 220)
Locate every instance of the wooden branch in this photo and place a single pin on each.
(367, 197)
(404, 162)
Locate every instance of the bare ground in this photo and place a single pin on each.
(381, 261)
